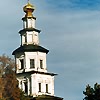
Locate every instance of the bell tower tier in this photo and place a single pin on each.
(29, 34)
(30, 59)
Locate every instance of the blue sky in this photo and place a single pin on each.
(70, 29)
(74, 4)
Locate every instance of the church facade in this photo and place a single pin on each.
(30, 59)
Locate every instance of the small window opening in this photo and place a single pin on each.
(41, 64)
(39, 87)
(32, 63)
(22, 63)
(26, 87)
(46, 88)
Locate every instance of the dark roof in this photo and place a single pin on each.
(30, 48)
(24, 18)
(38, 72)
(46, 97)
(29, 29)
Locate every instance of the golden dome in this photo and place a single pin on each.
(28, 6)
(28, 9)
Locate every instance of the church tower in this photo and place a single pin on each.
(30, 59)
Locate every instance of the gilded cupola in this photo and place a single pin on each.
(28, 9)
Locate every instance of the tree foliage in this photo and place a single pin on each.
(8, 83)
(92, 93)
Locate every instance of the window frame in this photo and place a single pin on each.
(32, 63)
(21, 64)
(39, 87)
(41, 63)
(47, 88)
(26, 87)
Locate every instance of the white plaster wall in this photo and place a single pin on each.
(37, 56)
(34, 79)
(24, 78)
(29, 23)
(23, 40)
(35, 38)
(17, 61)
(43, 79)
(32, 38)
(24, 24)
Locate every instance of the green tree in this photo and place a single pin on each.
(92, 93)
